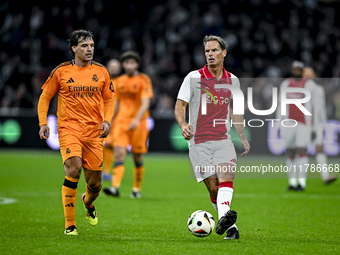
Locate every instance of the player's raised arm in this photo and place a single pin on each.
(180, 109)
(240, 131)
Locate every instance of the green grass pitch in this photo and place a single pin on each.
(271, 220)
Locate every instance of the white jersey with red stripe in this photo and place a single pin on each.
(319, 103)
(199, 84)
(320, 114)
(293, 112)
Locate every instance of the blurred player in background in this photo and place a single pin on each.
(210, 145)
(81, 85)
(115, 69)
(297, 138)
(133, 96)
(320, 119)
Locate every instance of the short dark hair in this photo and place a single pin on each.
(130, 55)
(76, 35)
(221, 42)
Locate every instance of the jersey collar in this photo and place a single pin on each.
(209, 76)
(73, 63)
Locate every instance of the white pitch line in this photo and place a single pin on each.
(287, 196)
(7, 200)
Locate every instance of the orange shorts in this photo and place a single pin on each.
(137, 138)
(90, 151)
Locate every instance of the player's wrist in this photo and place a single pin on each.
(182, 124)
(242, 136)
(137, 119)
(107, 123)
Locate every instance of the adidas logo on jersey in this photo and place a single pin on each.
(70, 81)
(233, 160)
(69, 205)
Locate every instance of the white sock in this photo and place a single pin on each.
(292, 174)
(224, 196)
(302, 170)
(321, 159)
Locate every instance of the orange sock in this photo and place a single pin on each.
(138, 175)
(118, 174)
(91, 195)
(69, 196)
(108, 157)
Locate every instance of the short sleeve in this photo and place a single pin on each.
(184, 91)
(236, 83)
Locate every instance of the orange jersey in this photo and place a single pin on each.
(80, 91)
(129, 92)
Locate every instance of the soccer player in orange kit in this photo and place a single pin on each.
(81, 85)
(114, 68)
(133, 96)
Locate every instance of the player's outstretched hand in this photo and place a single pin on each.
(44, 132)
(105, 126)
(187, 131)
(246, 147)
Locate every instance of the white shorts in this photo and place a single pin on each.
(204, 157)
(319, 136)
(297, 137)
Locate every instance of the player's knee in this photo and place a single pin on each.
(94, 184)
(319, 149)
(301, 151)
(73, 172)
(73, 167)
(137, 158)
(120, 155)
(290, 153)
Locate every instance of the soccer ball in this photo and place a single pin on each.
(201, 223)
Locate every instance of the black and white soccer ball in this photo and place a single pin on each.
(201, 223)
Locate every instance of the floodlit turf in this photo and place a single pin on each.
(271, 220)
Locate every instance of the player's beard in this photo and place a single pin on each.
(297, 76)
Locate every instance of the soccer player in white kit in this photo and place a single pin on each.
(297, 138)
(211, 151)
(320, 119)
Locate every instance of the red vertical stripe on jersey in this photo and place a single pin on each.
(294, 112)
(205, 130)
